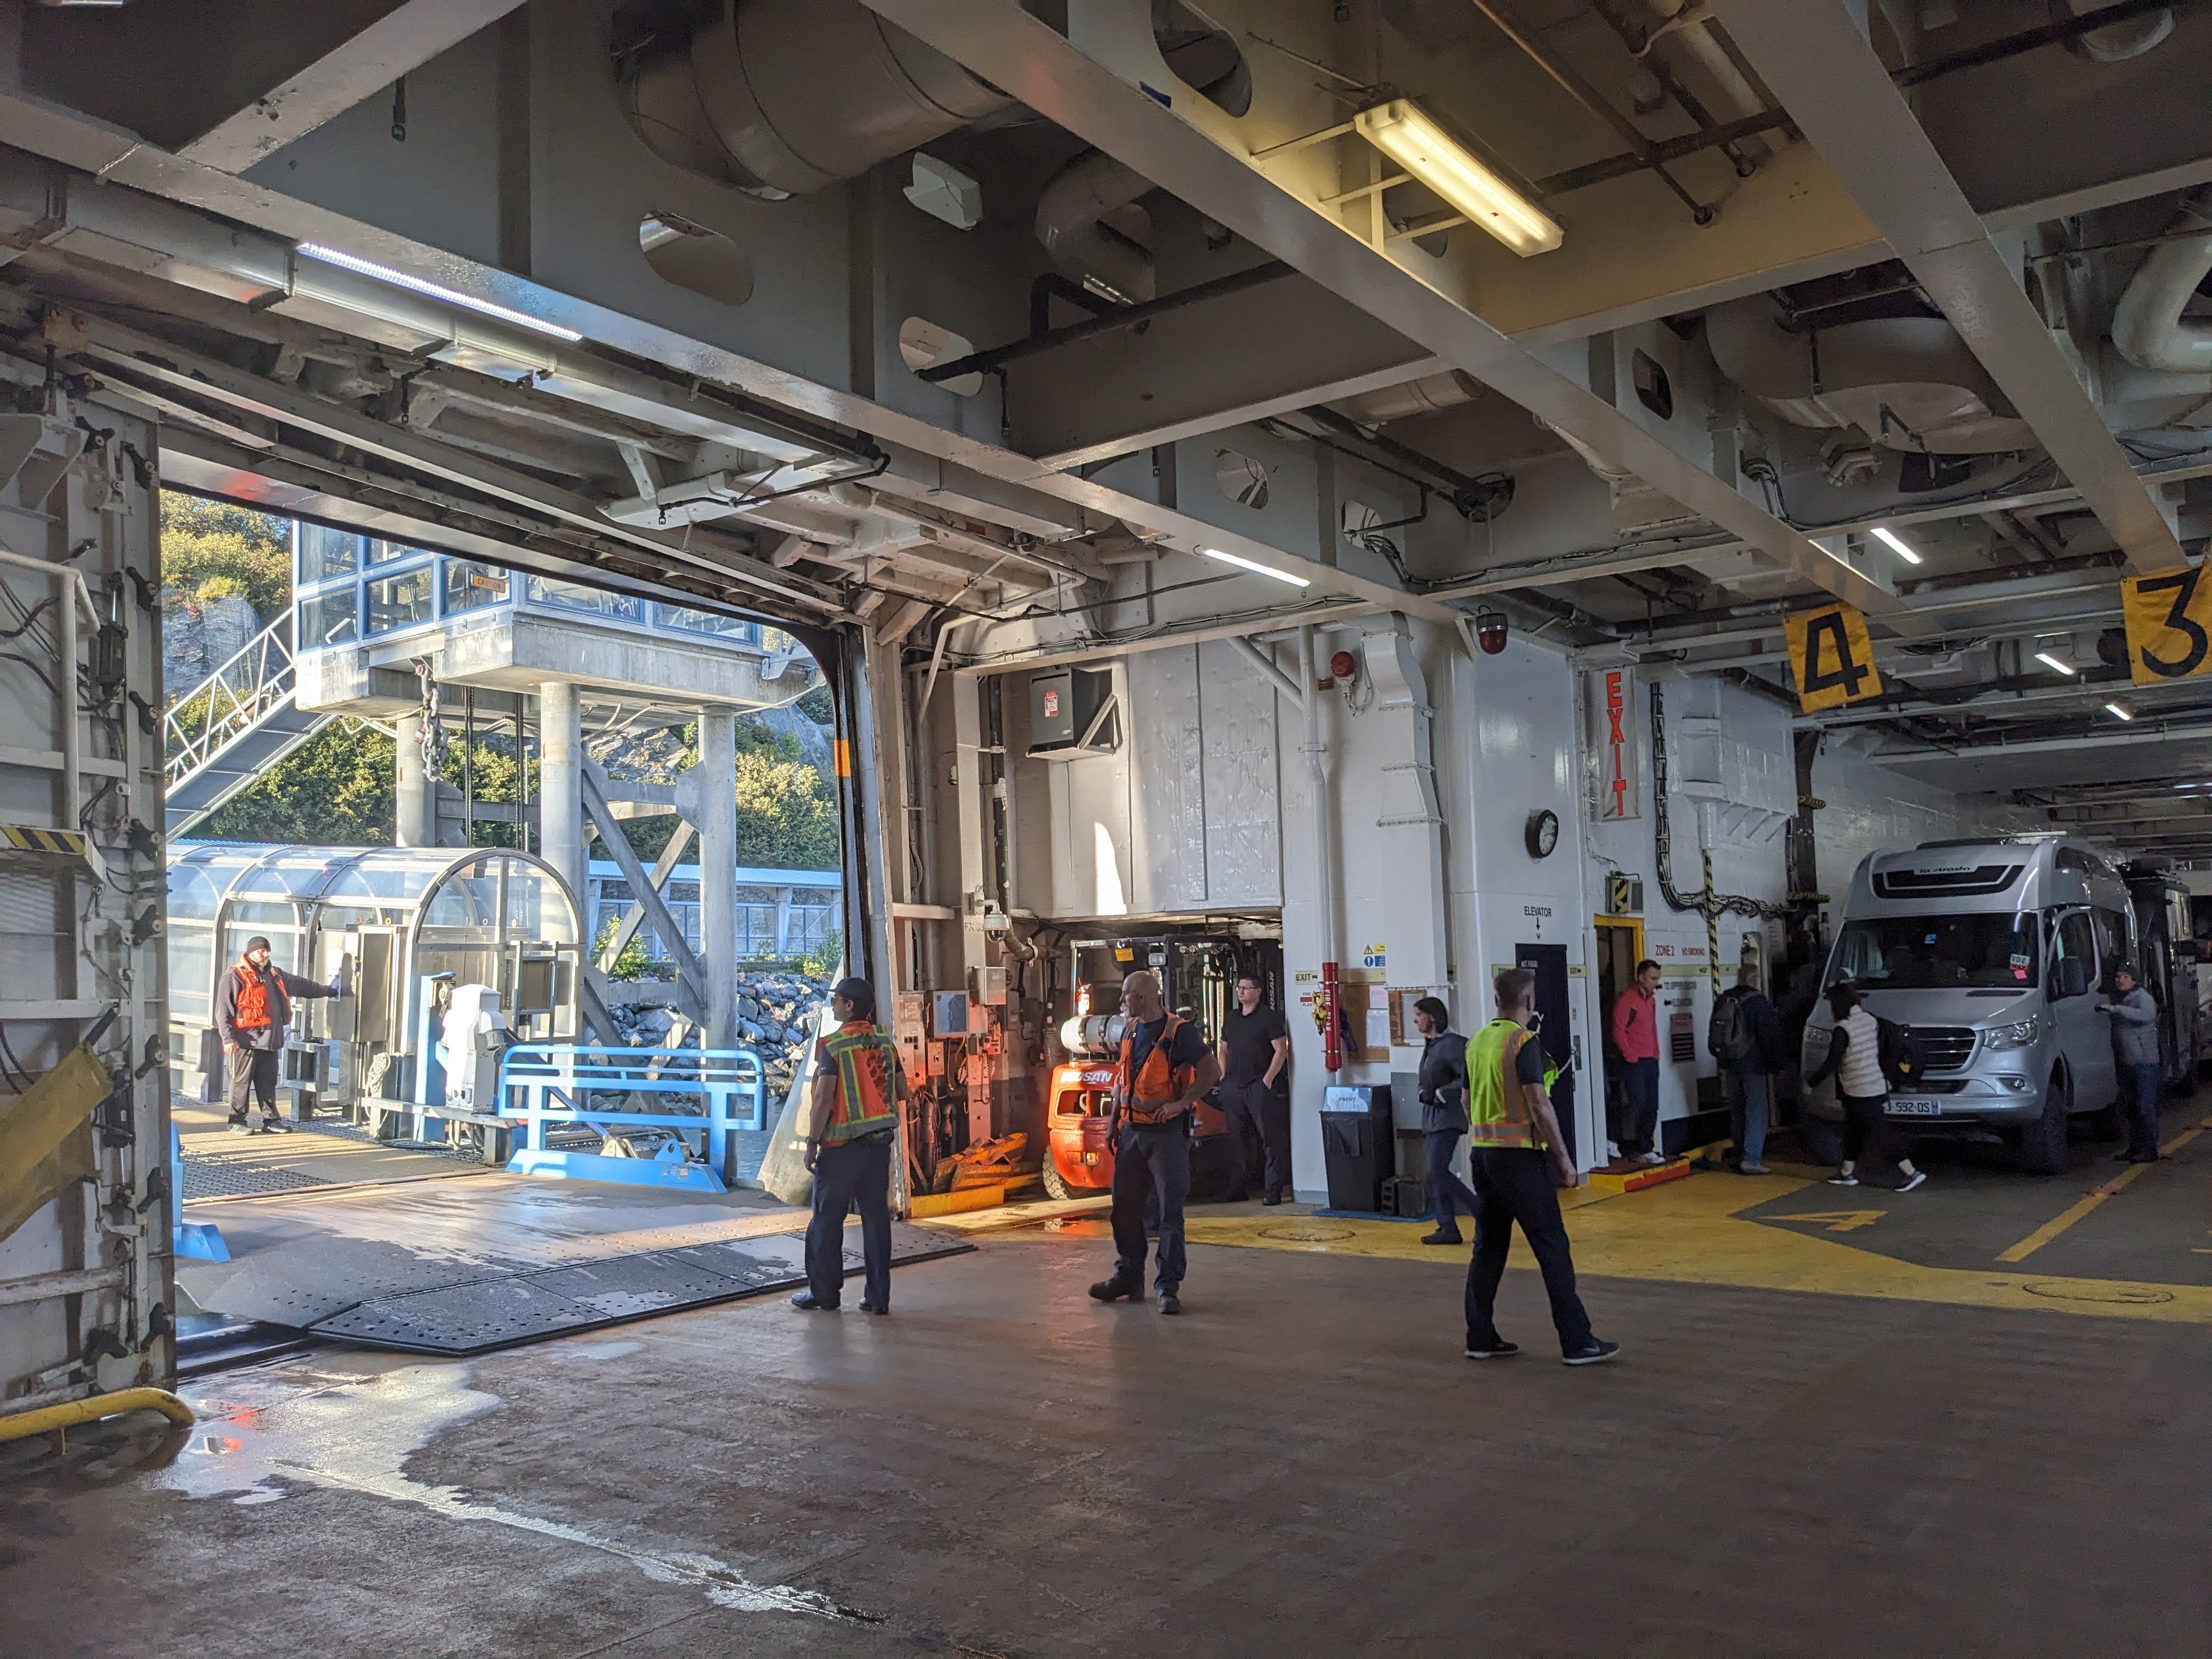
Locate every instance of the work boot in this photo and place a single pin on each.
(272, 1123)
(239, 1125)
(1113, 1290)
(805, 1303)
(1440, 1236)
(1272, 1200)
(1169, 1302)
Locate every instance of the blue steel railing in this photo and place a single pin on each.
(551, 1082)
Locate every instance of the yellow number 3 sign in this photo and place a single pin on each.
(2169, 619)
(1831, 657)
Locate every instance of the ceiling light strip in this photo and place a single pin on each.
(330, 256)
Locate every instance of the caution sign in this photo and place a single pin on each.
(1831, 657)
(2169, 618)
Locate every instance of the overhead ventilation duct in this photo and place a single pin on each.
(2116, 42)
(2147, 324)
(782, 97)
(1430, 395)
(1088, 219)
(1907, 383)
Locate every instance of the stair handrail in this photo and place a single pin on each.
(261, 675)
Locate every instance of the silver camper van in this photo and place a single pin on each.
(1996, 953)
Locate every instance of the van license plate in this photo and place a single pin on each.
(1913, 1107)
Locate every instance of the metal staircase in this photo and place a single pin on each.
(233, 726)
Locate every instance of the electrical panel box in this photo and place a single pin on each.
(1063, 706)
(991, 987)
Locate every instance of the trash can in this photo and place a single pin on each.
(1356, 1137)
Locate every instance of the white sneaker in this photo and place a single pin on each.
(1914, 1180)
(1843, 1180)
(1647, 1159)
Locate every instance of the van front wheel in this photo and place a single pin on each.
(2043, 1143)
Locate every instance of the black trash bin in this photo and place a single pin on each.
(1357, 1140)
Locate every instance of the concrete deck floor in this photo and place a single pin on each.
(1304, 1464)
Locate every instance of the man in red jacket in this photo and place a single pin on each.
(1635, 1033)
(253, 1006)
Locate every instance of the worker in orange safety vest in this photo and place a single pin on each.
(1165, 1068)
(853, 1130)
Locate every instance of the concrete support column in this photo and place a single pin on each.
(718, 873)
(415, 820)
(783, 921)
(560, 783)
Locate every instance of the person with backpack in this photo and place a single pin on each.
(1745, 1036)
(1855, 1060)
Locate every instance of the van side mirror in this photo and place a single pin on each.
(2073, 977)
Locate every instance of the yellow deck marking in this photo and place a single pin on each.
(1692, 1232)
(2066, 1218)
(1836, 1221)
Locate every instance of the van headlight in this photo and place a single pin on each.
(2019, 1035)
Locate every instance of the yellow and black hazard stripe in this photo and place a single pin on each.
(25, 838)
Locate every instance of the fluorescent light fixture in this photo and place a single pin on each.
(1406, 133)
(2057, 664)
(330, 256)
(2117, 712)
(1255, 566)
(1895, 543)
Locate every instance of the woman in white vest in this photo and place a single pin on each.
(1855, 1061)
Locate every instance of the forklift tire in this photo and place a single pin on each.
(1824, 1141)
(1056, 1184)
(2041, 1149)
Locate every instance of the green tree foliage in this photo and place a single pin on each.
(213, 550)
(633, 963)
(825, 958)
(786, 815)
(335, 790)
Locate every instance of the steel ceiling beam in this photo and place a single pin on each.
(1813, 56)
(404, 39)
(1000, 41)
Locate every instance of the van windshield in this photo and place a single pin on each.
(1927, 953)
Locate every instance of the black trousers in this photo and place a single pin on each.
(846, 1173)
(1866, 1118)
(252, 1071)
(1514, 1184)
(1255, 1108)
(1152, 1171)
(1448, 1193)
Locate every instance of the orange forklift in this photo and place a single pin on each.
(1198, 968)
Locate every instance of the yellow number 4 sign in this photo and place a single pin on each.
(2169, 619)
(1831, 657)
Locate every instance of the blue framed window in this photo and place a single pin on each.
(401, 599)
(383, 552)
(326, 555)
(330, 618)
(735, 629)
(575, 596)
(470, 585)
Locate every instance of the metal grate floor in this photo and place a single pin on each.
(221, 1177)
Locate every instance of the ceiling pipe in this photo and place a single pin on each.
(2147, 325)
(1072, 223)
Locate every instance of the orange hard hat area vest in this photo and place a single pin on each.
(1157, 1082)
(860, 1059)
(252, 1013)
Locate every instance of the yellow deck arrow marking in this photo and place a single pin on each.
(1838, 1221)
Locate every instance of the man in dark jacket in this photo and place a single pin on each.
(253, 1006)
(1444, 1117)
(1751, 1074)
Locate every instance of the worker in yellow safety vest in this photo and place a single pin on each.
(1518, 1157)
(852, 1131)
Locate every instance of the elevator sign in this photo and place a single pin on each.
(2169, 618)
(1612, 742)
(1831, 657)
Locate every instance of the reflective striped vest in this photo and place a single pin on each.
(1497, 1111)
(861, 1058)
(1157, 1081)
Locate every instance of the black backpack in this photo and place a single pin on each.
(1727, 1033)
(1898, 1050)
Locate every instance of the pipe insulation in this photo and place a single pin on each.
(1074, 221)
(2147, 327)
(782, 100)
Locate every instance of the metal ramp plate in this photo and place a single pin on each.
(463, 1267)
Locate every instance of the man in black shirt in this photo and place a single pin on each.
(1255, 1046)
